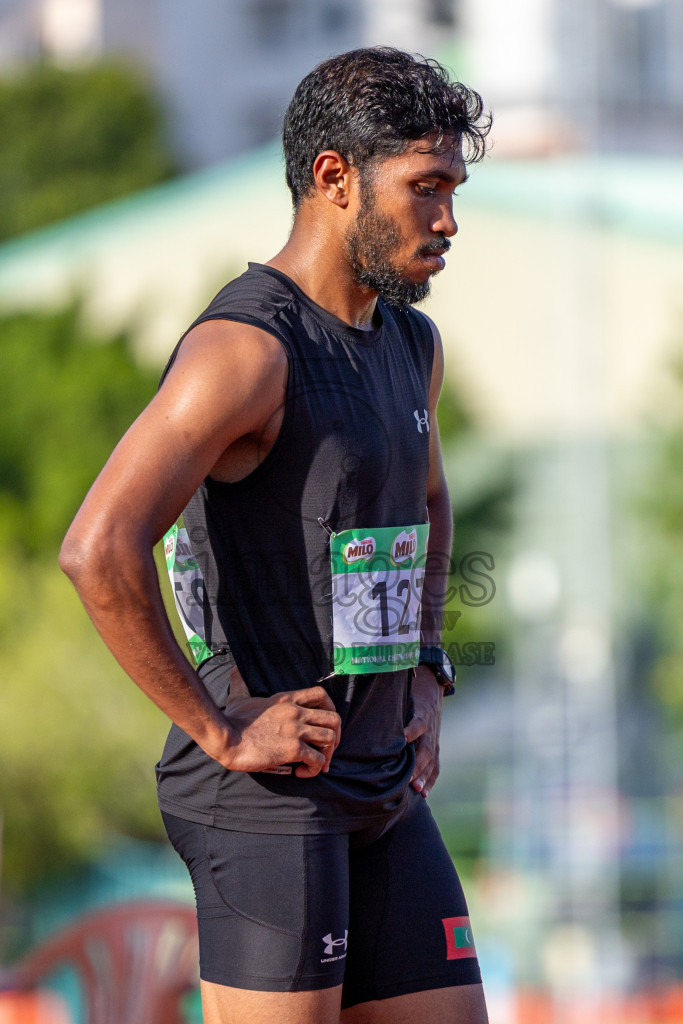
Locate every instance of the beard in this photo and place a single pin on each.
(370, 247)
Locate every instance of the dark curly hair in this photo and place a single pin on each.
(369, 104)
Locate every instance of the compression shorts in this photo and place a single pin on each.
(381, 911)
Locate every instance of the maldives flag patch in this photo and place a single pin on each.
(459, 939)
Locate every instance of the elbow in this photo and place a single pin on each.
(81, 559)
(73, 556)
(84, 553)
(95, 557)
(438, 497)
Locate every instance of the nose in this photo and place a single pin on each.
(445, 222)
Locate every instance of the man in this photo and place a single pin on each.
(291, 460)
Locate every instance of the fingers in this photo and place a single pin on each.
(323, 740)
(319, 736)
(313, 761)
(306, 770)
(426, 770)
(314, 697)
(328, 751)
(303, 724)
(423, 785)
(423, 731)
(311, 697)
(322, 710)
(415, 728)
(432, 778)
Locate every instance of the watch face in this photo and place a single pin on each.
(447, 670)
(441, 665)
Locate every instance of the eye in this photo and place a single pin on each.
(425, 190)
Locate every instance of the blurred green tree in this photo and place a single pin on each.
(65, 399)
(77, 740)
(74, 138)
(664, 517)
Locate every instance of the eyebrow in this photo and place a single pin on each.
(450, 179)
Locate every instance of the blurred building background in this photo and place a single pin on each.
(225, 71)
(562, 790)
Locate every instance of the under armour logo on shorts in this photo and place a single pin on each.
(422, 421)
(331, 943)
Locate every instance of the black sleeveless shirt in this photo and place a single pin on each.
(352, 451)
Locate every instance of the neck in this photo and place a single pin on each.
(315, 259)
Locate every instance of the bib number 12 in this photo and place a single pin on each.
(377, 581)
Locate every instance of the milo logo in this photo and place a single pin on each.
(355, 550)
(404, 547)
(169, 546)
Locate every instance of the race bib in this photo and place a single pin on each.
(377, 579)
(188, 588)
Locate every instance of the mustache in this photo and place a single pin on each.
(437, 245)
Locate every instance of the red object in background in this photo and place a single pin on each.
(134, 961)
(663, 1006)
(32, 1008)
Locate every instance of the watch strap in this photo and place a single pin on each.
(441, 665)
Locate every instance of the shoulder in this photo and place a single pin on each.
(431, 327)
(424, 327)
(438, 359)
(431, 332)
(417, 324)
(227, 351)
(258, 295)
(247, 307)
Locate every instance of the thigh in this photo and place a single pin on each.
(409, 927)
(272, 910)
(222, 1005)
(463, 1004)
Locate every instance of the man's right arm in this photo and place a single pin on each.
(226, 384)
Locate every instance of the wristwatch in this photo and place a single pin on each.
(441, 665)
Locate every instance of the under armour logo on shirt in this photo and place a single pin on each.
(422, 421)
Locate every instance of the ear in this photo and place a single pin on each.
(334, 177)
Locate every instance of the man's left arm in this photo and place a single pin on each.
(423, 728)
